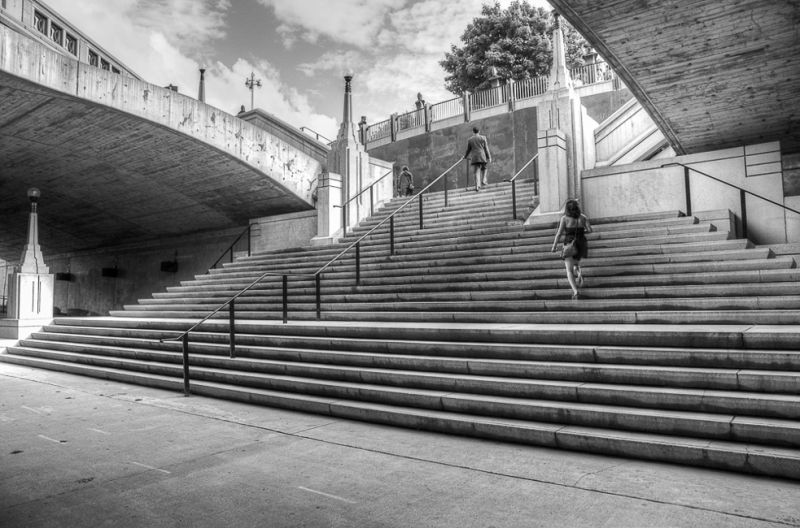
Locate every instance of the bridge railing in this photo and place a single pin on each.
(504, 94)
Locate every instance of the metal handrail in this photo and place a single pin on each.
(343, 207)
(317, 134)
(513, 181)
(231, 302)
(230, 248)
(742, 193)
(391, 218)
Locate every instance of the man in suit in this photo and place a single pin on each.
(479, 156)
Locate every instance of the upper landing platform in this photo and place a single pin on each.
(118, 159)
(711, 74)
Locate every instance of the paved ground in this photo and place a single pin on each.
(78, 452)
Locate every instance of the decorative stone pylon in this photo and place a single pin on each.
(31, 290)
(560, 138)
(347, 168)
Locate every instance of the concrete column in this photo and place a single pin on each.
(465, 103)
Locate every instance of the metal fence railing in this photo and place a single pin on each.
(517, 90)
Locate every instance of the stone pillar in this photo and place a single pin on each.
(329, 212)
(201, 91)
(560, 138)
(348, 160)
(31, 290)
(553, 185)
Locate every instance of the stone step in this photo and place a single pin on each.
(735, 336)
(454, 357)
(555, 300)
(718, 454)
(673, 218)
(457, 260)
(601, 313)
(455, 393)
(513, 291)
(522, 280)
(372, 248)
(769, 393)
(729, 262)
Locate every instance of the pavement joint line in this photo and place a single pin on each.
(99, 431)
(52, 439)
(330, 496)
(486, 471)
(151, 467)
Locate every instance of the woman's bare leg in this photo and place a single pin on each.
(569, 263)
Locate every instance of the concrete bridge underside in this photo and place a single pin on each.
(108, 176)
(711, 74)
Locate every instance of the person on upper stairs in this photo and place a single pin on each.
(405, 184)
(573, 225)
(479, 156)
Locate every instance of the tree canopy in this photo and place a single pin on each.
(516, 41)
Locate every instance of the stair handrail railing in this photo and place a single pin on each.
(231, 302)
(742, 193)
(317, 135)
(343, 207)
(513, 181)
(230, 248)
(390, 218)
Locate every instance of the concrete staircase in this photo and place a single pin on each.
(685, 347)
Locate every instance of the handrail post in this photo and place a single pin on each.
(743, 201)
(285, 299)
(445, 191)
(232, 326)
(687, 190)
(358, 263)
(420, 211)
(185, 342)
(514, 198)
(344, 220)
(318, 288)
(391, 235)
(249, 244)
(371, 201)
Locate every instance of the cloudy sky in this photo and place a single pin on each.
(299, 49)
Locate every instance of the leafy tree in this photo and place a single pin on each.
(516, 41)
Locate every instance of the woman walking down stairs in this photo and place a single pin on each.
(686, 350)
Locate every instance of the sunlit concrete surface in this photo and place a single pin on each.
(78, 451)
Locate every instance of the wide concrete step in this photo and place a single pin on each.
(457, 394)
(749, 392)
(480, 244)
(719, 297)
(730, 261)
(734, 336)
(356, 351)
(722, 436)
(457, 260)
(756, 283)
(777, 270)
(681, 313)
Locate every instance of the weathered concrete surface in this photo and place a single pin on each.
(512, 142)
(711, 74)
(84, 452)
(118, 159)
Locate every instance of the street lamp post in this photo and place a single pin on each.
(252, 83)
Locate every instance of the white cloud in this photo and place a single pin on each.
(225, 89)
(353, 22)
